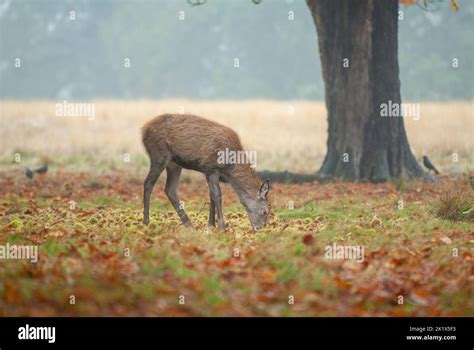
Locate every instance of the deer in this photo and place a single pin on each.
(177, 141)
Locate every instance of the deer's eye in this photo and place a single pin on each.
(263, 212)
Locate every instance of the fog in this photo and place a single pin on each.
(230, 49)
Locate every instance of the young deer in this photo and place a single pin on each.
(175, 141)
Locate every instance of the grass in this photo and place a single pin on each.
(102, 254)
(456, 204)
(294, 142)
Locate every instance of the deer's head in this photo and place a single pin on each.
(257, 208)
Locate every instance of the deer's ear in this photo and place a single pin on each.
(262, 193)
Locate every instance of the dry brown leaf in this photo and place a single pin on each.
(446, 239)
(308, 239)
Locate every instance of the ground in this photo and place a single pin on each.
(93, 246)
(97, 258)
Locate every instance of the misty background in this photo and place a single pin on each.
(87, 57)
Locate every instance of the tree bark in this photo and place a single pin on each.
(362, 145)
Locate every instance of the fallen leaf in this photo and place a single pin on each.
(56, 234)
(308, 239)
(446, 239)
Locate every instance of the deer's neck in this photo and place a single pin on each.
(245, 183)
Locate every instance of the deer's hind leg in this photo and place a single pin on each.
(173, 173)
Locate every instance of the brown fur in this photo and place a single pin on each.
(198, 140)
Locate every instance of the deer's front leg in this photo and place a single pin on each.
(216, 197)
(212, 212)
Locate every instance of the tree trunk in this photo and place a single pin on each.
(362, 145)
